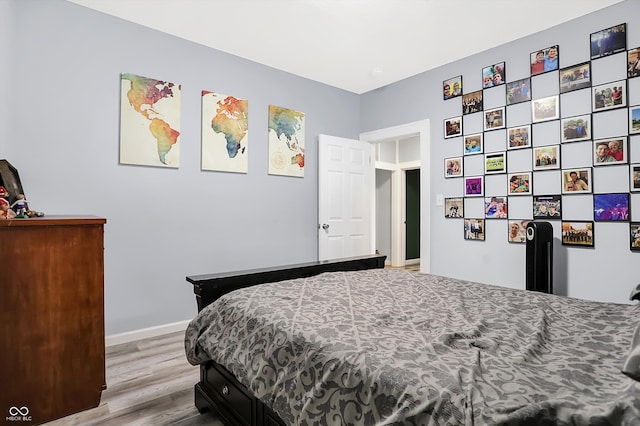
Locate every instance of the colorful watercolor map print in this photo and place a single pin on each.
(225, 133)
(286, 142)
(149, 122)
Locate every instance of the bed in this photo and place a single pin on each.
(351, 342)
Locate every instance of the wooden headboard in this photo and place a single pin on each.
(210, 287)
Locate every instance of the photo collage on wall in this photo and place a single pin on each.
(609, 151)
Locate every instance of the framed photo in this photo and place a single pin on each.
(519, 91)
(633, 63)
(453, 167)
(517, 231)
(494, 119)
(607, 152)
(493, 75)
(576, 181)
(609, 96)
(495, 162)
(454, 207)
(634, 119)
(546, 157)
(452, 127)
(608, 41)
(545, 109)
(474, 186)
(577, 233)
(634, 234)
(495, 207)
(575, 77)
(547, 206)
(474, 229)
(634, 178)
(544, 60)
(576, 128)
(519, 137)
(452, 87)
(611, 207)
(472, 102)
(519, 183)
(473, 144)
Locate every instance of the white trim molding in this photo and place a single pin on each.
(145, 333)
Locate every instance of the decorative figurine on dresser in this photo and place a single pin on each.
(20, 206)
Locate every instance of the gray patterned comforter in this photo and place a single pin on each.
(388, 346)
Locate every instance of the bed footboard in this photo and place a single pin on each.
(218, 390)
(210, 287)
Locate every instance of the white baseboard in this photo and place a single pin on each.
(145, 333)
(408, 262)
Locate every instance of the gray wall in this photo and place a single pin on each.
(60, 128)
(62, 134)
(605, 273)
(6, 32)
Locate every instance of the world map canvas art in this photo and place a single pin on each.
(286, 142)
(149, 121)
(225, 133)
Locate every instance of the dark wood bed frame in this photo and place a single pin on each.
(218, 390)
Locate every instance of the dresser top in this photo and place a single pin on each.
(53, 220)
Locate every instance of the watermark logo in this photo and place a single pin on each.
(18, 414)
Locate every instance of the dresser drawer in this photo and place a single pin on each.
(242, 405)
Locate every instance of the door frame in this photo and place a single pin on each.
(422, 129)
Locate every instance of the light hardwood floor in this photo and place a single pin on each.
(149, 382)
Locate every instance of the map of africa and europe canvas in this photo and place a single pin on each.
(225, 133)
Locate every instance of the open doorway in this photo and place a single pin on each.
(419, 132)
(397, 200)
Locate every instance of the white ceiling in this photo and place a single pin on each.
(356, 45)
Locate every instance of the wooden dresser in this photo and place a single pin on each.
(51, 317)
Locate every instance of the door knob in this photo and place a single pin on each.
(325, 226)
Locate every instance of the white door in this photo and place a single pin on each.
(344, 198)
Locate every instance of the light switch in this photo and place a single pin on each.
(439, 200)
